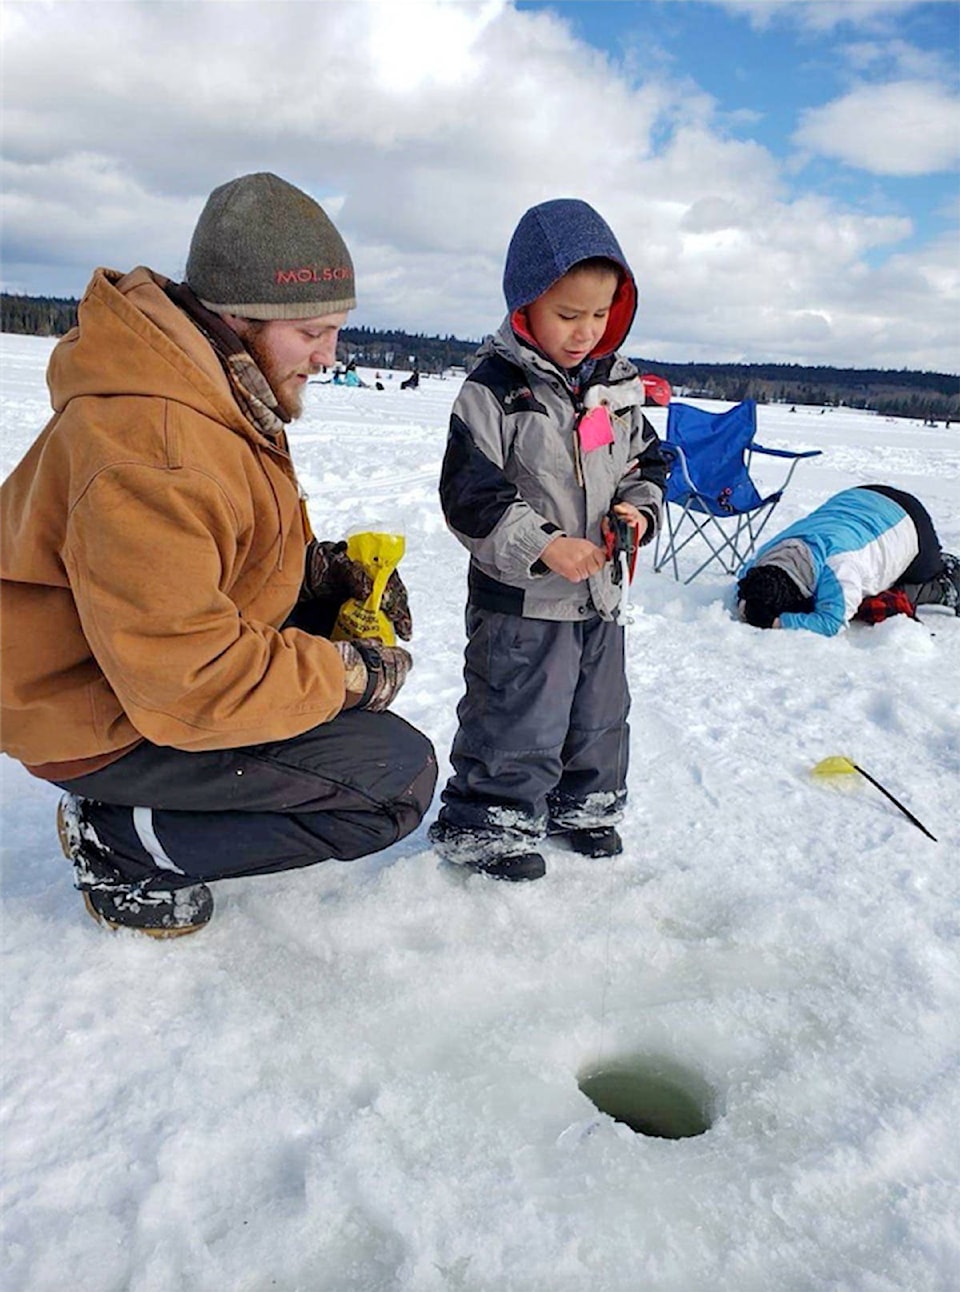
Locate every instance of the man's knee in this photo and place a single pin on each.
(395, 763)
(361, 761)
(422, 761)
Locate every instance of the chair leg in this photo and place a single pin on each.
(728, 549)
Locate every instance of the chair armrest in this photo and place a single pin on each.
(786, 453)
(675, 456)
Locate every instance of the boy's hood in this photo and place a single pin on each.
(549, 240)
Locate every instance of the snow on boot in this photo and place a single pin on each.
(951, 581)
(499, 853)
(598, 841)
(942, 590)
(115, 901)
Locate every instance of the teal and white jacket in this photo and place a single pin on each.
(858, 543)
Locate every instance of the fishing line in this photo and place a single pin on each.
(606, 973)
(605, 985)
(621, 542)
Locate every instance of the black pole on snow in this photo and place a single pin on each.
(908, 814)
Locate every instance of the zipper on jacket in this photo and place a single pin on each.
(579, 411)
(577, 450)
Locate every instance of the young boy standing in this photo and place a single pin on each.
(547, 436)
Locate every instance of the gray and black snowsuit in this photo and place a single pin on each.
(543, 737)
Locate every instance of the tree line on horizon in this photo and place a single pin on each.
(930, 396)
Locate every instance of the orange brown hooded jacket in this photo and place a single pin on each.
(152, 545)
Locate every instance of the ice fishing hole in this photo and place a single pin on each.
(653, 1096)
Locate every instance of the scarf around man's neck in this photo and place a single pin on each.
(251, 389)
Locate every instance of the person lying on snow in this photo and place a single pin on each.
(162, 589)
(546, 436)
(865, 553)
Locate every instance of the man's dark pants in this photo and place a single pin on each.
(343, 790)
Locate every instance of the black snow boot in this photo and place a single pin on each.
(515, 866)
(950, 579)
(116, 902)
(485, 851)
(942, 590)
(598, 841)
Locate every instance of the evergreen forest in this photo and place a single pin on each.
(930, 396)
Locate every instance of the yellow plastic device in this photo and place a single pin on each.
(379, 553)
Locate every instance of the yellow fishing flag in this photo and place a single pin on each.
(835, 765)
(839, 765)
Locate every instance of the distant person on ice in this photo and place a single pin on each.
(157, 559)
(865, 552)
(546, 435)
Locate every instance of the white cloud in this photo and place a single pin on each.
(84, 209)
(904, 128)
(427, 135)
(898, 60)
(820, 15)
(404, 60)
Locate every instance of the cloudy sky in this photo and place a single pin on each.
(782, 174)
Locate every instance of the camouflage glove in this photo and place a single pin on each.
(330, 573)
(396, 607)
(373, 673)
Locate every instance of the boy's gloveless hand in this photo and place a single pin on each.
(628, 512)
(574, 558)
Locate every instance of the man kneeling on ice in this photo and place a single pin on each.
(163, 597)
(865, 553)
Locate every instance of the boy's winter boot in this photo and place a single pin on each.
(942, 590)
(115, 901)
(515, 866)
(483, 853)
(598, 841)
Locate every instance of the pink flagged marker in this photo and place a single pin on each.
(595, 429)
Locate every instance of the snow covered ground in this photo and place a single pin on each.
(364, 1077)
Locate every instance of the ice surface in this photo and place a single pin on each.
(364, 1077)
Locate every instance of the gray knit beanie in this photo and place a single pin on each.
(263, 249)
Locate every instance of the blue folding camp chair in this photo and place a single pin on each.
(709, 484)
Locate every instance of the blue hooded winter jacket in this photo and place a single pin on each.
(856, 544)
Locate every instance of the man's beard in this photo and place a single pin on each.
(288, 395)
